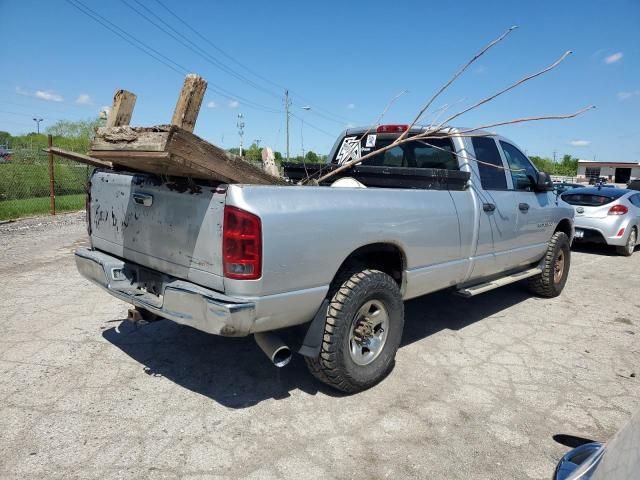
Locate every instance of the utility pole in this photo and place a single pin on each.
(286, 109)
(38, 120)
(240, 125)
(554, 156)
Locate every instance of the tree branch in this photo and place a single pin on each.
(505, 90)
(455, 76)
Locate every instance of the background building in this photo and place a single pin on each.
(616, 172)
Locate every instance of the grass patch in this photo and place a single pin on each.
(10, 209)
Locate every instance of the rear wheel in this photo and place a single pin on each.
(362, 332)
(555, 268)
(629, 247)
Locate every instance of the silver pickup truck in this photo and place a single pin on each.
(321, 270)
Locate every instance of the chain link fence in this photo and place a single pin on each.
(26, 181)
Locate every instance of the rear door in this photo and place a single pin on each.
(534, 213)
(497, 209)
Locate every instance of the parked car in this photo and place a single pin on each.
(561, 187)
(323, 270)
(618, 459)
(609, 216)
(634, 184)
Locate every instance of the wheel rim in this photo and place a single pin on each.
(558, 267)
(369, 332)
(631, 244)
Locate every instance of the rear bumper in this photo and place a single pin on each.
(603, 230)
(189, 304)
(183, 302)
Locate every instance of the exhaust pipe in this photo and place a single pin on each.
(274, 348)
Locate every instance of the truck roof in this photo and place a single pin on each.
(416, 128)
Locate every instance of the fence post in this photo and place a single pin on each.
(52, 191)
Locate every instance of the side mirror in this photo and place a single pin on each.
(543, 182)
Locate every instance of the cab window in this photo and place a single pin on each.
(523, 172)
(492, 173)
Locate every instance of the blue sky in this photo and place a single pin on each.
(344, 59)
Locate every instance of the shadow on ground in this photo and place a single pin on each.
(597, 249)
(234, 371)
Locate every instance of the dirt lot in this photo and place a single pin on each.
(480, 387)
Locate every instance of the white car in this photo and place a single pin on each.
(606, 215)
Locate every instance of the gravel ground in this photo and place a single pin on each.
(479, 390)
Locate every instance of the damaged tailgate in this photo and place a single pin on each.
(175, 228)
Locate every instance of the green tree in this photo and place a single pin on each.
(5, 137)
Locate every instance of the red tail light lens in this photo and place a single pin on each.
(391, 128)
(618, 210)
(241, 244)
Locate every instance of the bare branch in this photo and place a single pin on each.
(353, 147)
(468, 156)
(530, 119)
(427, 134)
(455, 76)
(505, 90)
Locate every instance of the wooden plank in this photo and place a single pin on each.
(78, 157)
(122, 109)
(199, 154)
(189, 102)
(126, 138)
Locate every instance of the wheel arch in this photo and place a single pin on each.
(387, 257)
(566, 226)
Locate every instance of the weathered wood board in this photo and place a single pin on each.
(169, 150)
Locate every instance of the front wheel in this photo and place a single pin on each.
(555, 268)
(630, 246)
(362, 332)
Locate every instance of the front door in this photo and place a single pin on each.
(535, 223)
(497, 235)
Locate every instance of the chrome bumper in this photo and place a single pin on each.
(182, 302)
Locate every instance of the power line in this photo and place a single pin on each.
(306, 122)
(195, 47)
(140, 45)
(114, 28)
(340, 120)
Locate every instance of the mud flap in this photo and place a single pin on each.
(312, 342)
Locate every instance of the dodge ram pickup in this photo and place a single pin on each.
(321, 270)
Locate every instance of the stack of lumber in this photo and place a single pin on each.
(168, 150)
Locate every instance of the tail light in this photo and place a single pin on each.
(241, 244)
(391, 128)
(618, 210)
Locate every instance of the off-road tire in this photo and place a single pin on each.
(627, 250)
(544, 284)
(334, 365)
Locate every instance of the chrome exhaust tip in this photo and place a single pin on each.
(274, 348)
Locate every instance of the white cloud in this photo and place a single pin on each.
(480, 70)
(616, 57)
(234, 104)
(84, 99)
(351, 106)
(22, 91)
(580, 143)
(212, 104)
(49, 96)
(628, 95)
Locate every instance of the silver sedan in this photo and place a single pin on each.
(606, 215)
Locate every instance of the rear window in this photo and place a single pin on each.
(588, 199)
(430, 153)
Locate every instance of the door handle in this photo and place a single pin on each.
(488, 207)
(523, 207)
(143, 199)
